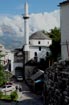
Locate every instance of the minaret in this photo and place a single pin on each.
(26, 33)
(26, 27)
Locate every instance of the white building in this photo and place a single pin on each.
(7, 58)
(39, 45)
(64, 24)
(18, 61)
(10, 57)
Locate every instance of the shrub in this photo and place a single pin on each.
(1, 94)
(14, 95)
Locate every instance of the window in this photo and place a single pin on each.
(38, 42)
(35, 53)
(39, 48)
(8, 86)
(48, 42)
(35, 57)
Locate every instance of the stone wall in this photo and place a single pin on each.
(56, 88)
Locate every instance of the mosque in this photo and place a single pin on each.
(34, 49)
(37, 45)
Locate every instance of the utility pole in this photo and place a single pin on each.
(67, 48)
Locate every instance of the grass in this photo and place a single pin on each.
(8, 97)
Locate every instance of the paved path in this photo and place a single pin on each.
(25, 98)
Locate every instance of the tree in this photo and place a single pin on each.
(2, 74)
(55, 48)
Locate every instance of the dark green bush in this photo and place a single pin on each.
(14, 95)
(1, 94)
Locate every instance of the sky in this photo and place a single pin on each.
(15, 7)
(44, 15)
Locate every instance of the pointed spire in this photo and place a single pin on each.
(26, 9)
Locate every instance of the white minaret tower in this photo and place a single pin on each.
(26, 27)
(64, 26)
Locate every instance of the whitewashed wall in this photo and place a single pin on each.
(34, 47)
(7, 55)
(10, 56)
(40, 54)
(64, 23)
(42, 42)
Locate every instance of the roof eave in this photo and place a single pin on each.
(64, 3)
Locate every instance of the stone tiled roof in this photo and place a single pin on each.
(39, 35)
(37, 74)
(64, 2)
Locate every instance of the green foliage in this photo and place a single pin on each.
(55, 48)
(2, 75)
(14, 95)
(8, 75)
(55, 34)
(1, 94)
(2, 72)
(6, 97)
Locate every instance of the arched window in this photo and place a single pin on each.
(39, 48)
(35, 54)
(35, 57)
(38, 42)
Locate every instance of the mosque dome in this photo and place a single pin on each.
(39, 36)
